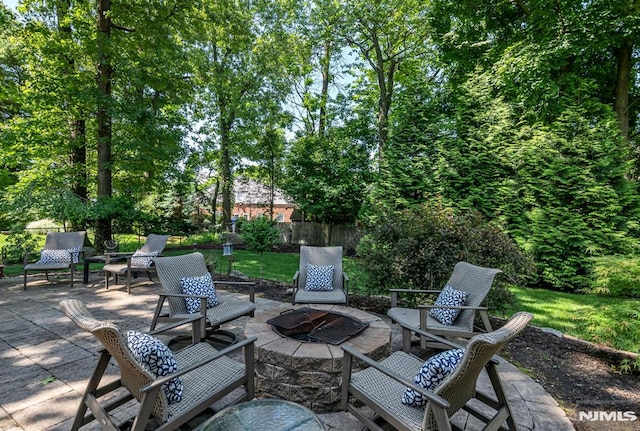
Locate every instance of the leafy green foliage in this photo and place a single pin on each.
(260, 235)
(617, 276)
(328, 177)
(19, 243)
(418, 248)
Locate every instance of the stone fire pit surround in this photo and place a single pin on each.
(309, 373)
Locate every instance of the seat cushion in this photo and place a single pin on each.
(156, 358)
(142, 259)
(319, 277)
(433, 372)
(452, 298)
(198, 286)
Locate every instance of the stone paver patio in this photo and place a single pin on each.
(45, 360)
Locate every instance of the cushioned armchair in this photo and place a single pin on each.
(188, 273)
(320, 279)
(62, 250)
(416, 395)
(453, 314)
(140, 261)
(171, 387)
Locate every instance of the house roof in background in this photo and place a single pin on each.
(247, 191)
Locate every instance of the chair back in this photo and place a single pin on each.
(321, 256)
(132, 373)
(155, 243)
(460, 387)
(171, 269)
(475, 280)
(64, 240)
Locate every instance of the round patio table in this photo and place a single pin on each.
(265, 414)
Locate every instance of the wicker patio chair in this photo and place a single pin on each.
(320, 279)
(171, 269)
(381, 386)
(62, 250)
(474, 280)
(207, 375)
(141, 261)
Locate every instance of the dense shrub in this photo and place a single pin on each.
(17, 244)
(616, 276)
(418, 248)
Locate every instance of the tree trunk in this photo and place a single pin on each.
(324, 95)
(623, 82)
(225, 160)
(103, 78)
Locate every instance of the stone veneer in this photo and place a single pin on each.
(309, 373)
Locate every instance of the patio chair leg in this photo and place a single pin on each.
(25, 280)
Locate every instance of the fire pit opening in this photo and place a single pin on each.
(310, 325)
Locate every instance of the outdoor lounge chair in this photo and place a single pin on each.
(320, 279)
(170, 272)
(384, 385)
(471, 279)
(206, 375)
(62, 250)
(140, 261)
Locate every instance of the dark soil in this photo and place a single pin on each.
(580, 376)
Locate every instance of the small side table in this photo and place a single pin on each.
(265, 414)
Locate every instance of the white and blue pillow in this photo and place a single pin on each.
(156, 358)
(433, 372)
(199, 286)
(319, 278)
(52, 256)
(141, 259)
(452, 298)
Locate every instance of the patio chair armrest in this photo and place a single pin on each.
(394, 294)
(193, 318)
(162, 380)
(25, 256)
(432, 397)
(250, 284)
(430, 336)
(296, 278)
(457, 307)
(414, 291)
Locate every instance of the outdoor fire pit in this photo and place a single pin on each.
(302, 362)
(307, 324)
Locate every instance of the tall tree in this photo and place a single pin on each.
(242, 76)
(386, 34)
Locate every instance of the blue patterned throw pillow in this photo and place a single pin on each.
(450, 297)
(156, 358)
(199, 286)
(319, 277)
(75, 254)
(49, 256)
(433, 372)
(141, 259)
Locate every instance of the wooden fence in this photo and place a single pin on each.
(320, 234)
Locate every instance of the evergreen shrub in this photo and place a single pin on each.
(616, 276)
(418, 248)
